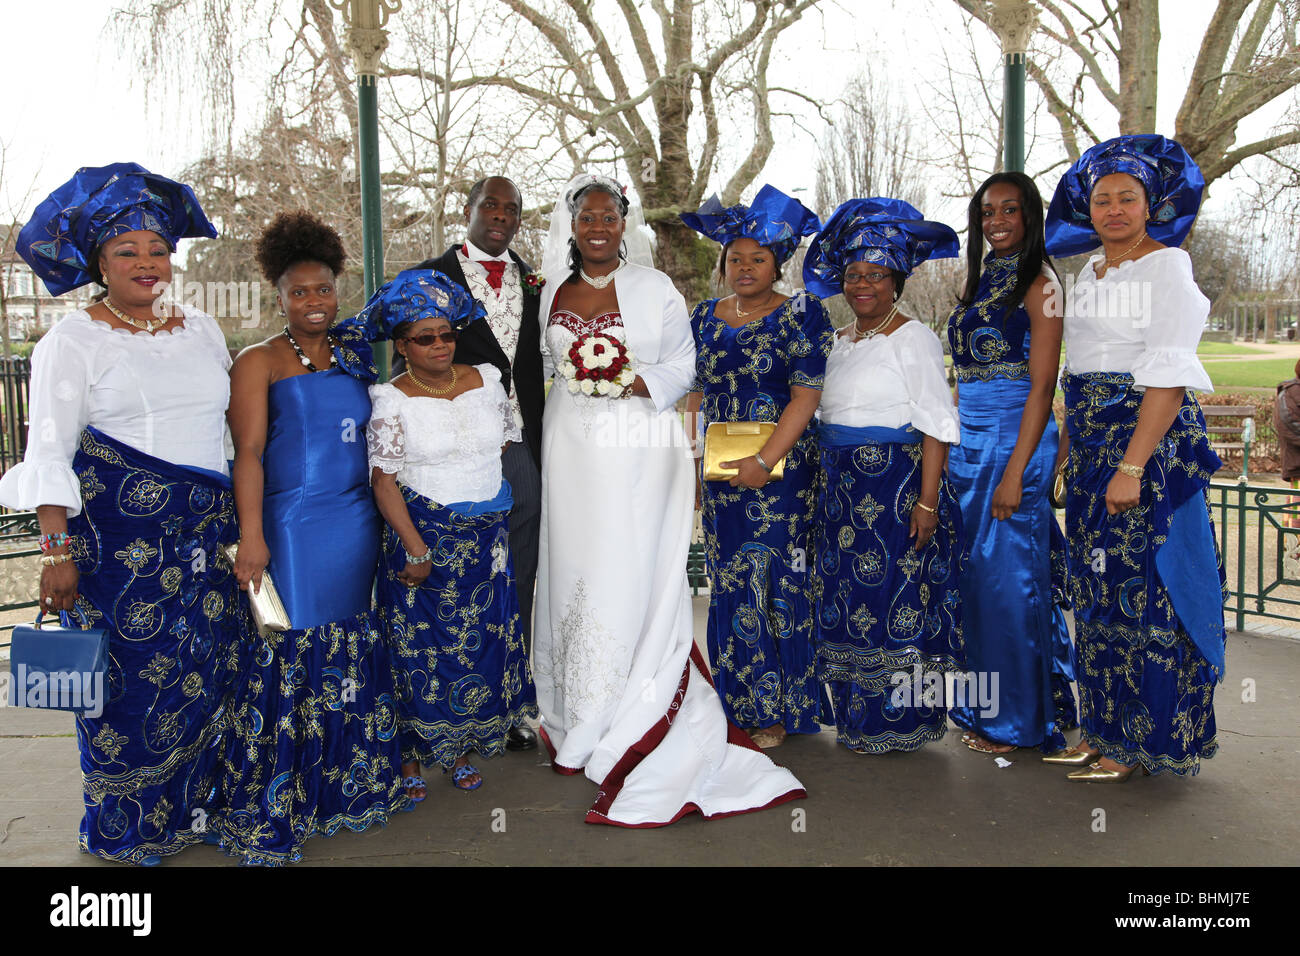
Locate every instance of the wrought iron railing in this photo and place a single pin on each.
(1259, 537)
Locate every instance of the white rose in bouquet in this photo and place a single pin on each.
(587, 386)
(602, 387)
(573, 386)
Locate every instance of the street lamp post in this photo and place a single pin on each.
(1014, 22)
(367, 41)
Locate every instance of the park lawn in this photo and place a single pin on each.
(1227, 348)
(1264, 373)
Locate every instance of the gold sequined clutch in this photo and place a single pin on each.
(268, 610)
(732, 441)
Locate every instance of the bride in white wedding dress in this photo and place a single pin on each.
(624, 692)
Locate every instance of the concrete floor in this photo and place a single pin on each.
(943, 805)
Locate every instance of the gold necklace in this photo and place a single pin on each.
(429, 388)
(1120, 257)
(147, 325)
(742, 314)
(858, 333)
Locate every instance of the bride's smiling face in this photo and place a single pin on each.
(598, 228)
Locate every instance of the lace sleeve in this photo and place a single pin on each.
(510, 427)
(385, 439)
(510, 430)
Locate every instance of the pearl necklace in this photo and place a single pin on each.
(303, 358)
(871, 333)
(429, 388)
(599, 282)
(146, 325)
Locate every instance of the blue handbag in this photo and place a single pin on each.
(59, 668)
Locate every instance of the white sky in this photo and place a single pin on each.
(54, 119)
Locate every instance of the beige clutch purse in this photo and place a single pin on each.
(268, 610)
(732, 441)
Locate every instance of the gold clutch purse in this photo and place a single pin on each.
(268, 610)
(1057, 496)
(732, 441)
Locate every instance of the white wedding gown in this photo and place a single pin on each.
(624, 693)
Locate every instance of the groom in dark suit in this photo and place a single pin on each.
(509, 337)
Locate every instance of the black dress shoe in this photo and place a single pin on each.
(521, 738)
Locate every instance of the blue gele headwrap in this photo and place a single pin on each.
(1172, 180)
(412, 295)
(889, 232)
(773, 220)
(60, 241)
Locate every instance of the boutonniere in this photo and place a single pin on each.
(533, 283)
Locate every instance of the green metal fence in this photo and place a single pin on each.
(1259, 538)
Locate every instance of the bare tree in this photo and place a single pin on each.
(869, 150)
(1107, 53)
(627, 87)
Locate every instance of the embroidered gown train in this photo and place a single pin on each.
(623, 691)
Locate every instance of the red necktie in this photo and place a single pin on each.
(495, 269)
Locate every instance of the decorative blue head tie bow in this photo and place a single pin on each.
(888, 232)
(1171, 178)
(95, 205)
(410, 296)
(773, 220)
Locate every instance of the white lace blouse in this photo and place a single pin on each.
(165, 395)
(890, 381)
(447, 451)
(1144, 316)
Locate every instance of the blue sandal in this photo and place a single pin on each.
(416, 783)
(460, 773)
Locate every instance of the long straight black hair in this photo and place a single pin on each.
(1032, 257)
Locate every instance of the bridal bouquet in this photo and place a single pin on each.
(598, 364)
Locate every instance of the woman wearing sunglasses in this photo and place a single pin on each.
(446, 583)
(314, 746)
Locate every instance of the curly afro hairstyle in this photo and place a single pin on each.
(294, 237)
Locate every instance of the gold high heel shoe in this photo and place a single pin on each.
(1097, 774)
(1070, 757)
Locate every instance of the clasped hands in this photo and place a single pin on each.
(749, 473)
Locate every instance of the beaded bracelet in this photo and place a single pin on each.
(50, 560)
(422, 559)
(51, 541)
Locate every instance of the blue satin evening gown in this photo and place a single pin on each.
(1014, 628)
(316, 732)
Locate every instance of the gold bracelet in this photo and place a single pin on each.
(50, 560)
(1133, 471)
(924, 507)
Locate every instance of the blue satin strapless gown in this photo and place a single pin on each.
(1013, 584)
(318, 516)
(316, 734)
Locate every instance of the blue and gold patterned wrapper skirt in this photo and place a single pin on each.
(757, 543)
(889, 617)
(456, 643)
(1146, 583)
(146, 546)
(314, 746)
